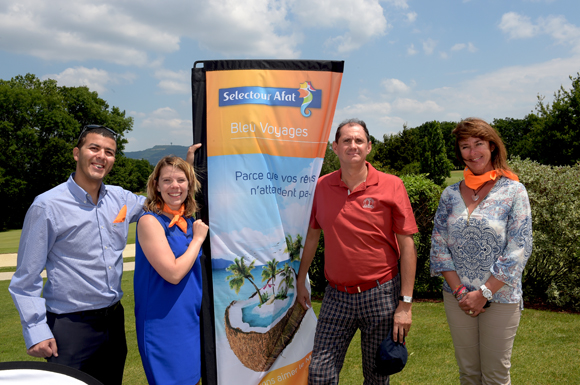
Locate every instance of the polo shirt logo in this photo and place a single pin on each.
(368, 203)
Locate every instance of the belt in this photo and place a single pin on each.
(365, 285)
(104, 312)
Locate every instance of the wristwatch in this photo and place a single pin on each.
(406, 299)
(486, 292)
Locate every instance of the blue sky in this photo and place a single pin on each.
(406, 61)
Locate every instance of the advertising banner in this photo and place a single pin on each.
(267, 129)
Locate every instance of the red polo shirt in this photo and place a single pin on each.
(359, 229)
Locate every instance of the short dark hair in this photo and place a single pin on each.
(352, 122)
(96, 129)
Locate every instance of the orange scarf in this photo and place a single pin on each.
(177, 217)
(476, 181)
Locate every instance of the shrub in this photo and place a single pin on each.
(424, 195)
(553, 270)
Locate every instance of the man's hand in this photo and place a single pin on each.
(302, 295)
(191, 152)
(44, 349)
(402, 321)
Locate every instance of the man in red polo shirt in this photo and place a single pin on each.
(368, 226)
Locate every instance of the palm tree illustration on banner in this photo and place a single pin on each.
(293, 248)
(269, 273)
(287, 276)
(240, 272)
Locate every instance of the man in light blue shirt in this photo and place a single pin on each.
(78, 231)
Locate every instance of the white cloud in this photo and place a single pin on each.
(393, 86)
(363, 20)
(429, 46)
(174, 82)
(517, 26)
(411, 50)
(95, 79)
(443, 55)
(411, 17)
(506, 92)
(397, 3)
(458, 47)
(62, 30)
(557, 27)
(415, 106)
(461, 46)
(561, 31)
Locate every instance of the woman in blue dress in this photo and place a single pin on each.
(167, 279)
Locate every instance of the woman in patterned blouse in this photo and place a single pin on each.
(482, 239)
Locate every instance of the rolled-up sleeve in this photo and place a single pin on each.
(440, 257)
(509, 267)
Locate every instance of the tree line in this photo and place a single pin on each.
(40, 123)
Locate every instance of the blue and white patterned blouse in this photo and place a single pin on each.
(495, 239)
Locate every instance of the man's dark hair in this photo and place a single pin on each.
(96, 129)
(352, 122)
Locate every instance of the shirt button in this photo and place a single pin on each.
(111, 287)
(85, 201)
(110, 267)
(105, 247)
(102, 227)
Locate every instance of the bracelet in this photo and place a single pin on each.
(460, 292)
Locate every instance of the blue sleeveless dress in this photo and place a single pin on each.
(167, 315)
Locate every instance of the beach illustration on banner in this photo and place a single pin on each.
(256, 255)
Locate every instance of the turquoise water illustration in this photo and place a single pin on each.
(257, 319)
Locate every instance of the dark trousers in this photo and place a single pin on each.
(92, 341)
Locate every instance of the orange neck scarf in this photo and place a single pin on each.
(177, 217)
(474, 182)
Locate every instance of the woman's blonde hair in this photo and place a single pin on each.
(154, 202)
(479, 128)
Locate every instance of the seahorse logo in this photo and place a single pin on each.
(305, 92)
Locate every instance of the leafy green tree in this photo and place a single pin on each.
(555, 134)
(39, 125)
(397, 150)
(449, 139)
(131, 174)
(330, 162)
(515, 134)
(433, 156)
(240, 272)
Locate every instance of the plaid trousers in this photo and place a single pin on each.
(341, 314)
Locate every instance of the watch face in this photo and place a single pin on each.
(486, 292)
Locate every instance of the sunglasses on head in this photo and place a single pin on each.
(91, 127)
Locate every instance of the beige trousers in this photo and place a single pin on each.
(483, 344)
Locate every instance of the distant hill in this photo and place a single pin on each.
(153, 155)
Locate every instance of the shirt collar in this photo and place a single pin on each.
(79, 193)
(372, 177)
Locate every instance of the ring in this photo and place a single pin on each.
(470, 312)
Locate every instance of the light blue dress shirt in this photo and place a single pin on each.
(81, 248)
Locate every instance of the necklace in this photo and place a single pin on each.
(475, 195)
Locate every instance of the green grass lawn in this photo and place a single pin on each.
(546, 351)
(9, 239)
(456, 176)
